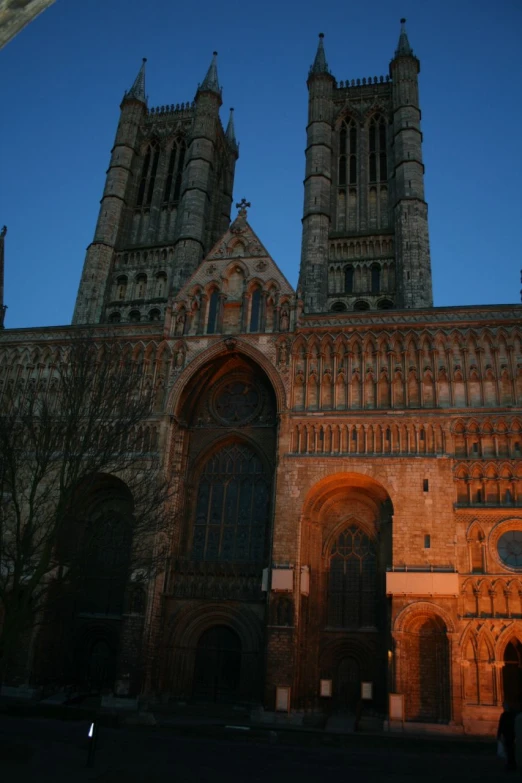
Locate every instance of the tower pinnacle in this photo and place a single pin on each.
(137, 91)
(403, 47)
(210, 82)
(3, 308)
(320, 65)
(230, 132)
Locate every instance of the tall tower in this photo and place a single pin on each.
(412, 247)
(365, 233)
(167, 199)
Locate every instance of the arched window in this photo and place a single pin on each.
(161, 284)
(385, 304)
(352, 580)
(121, 284)
(115, 318)
(255, 311)
(154, 315)
(348, 279)
(377, 149)
(232, 507)
(134, 316)
(212, 312)
(338, 307)
(376, 278)
(361, 305)
(141, 286)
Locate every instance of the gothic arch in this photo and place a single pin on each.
(512, 633)
(186, 626)
(419, 609)
(220, 349)
(321, 492)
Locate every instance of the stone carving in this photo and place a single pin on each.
(283, 355)
(180, 324)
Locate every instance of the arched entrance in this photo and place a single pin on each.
(512, 674)
(346, 541)
(99, 538)
(217, 669)
(426, 677)
(225, 435)
(347, 684)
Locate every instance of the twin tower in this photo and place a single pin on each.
(168, 197)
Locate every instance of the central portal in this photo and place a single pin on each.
(348, 684)
(217, 668)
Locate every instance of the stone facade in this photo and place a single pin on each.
(348, 479)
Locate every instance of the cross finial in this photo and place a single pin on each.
(243, 205)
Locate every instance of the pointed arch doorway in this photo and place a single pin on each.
(512, 674)
(347, 684)
(217, 668)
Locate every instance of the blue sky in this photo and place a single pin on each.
(63, 78)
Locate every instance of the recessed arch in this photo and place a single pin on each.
(227, 348)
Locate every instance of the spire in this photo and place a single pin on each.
(3, 308)
(137, 91)
(320, 65)
(210, 82)
(230, 132)
(403, 47)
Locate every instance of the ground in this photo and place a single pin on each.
(49, 750)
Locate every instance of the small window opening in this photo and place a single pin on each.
(422, 435)
(475, 448)
(427, 541)
(426, 485)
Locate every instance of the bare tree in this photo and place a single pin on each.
(61, 437)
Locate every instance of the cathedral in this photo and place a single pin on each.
(345, 457)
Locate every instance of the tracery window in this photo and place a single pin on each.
(352, 580)
(377, 144)
(232, 507)
(106, 548)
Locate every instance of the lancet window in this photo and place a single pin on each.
(148, 175)
(377, 146)
(347, 153)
